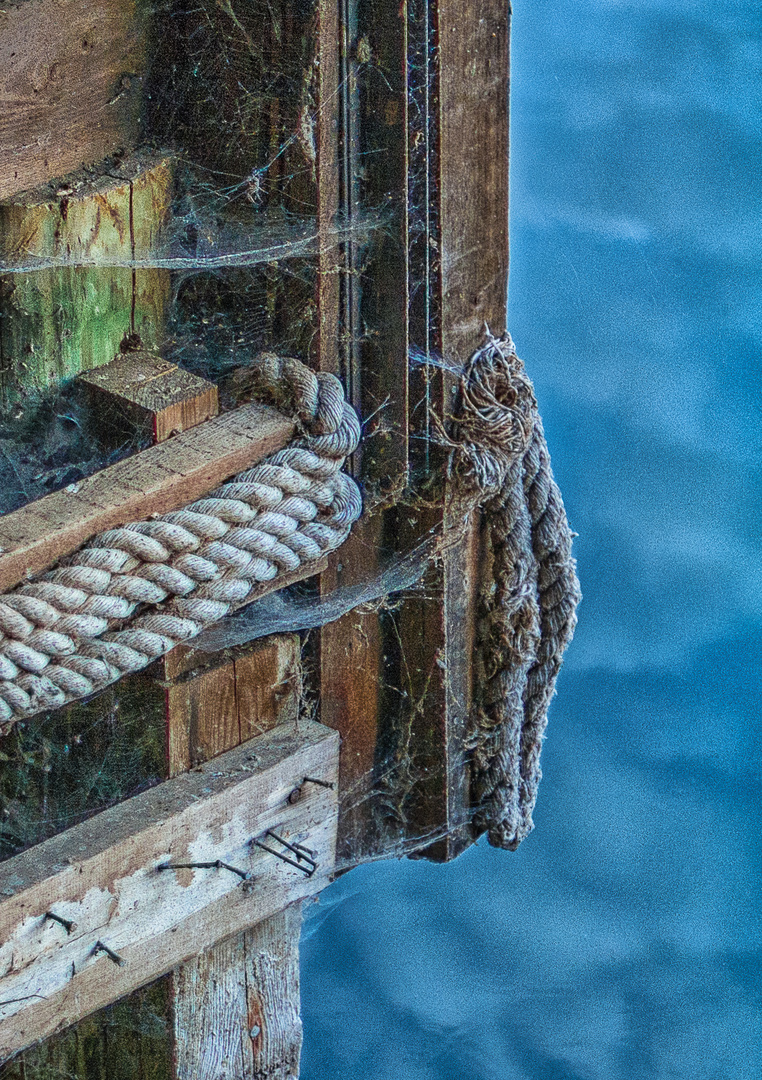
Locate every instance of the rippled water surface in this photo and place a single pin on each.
(622, 940)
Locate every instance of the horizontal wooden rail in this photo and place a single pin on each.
(154, 481)
(91, 914)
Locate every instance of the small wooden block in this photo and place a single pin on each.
(152, 392)
(155, 481)
(103, 877)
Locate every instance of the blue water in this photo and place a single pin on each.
(622, 940)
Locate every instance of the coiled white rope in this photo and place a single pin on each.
(133, 593)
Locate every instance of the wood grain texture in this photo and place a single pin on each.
(473, 119)
(213, 709)
(102, 875)
(211, 1042)
(151, 393)
(76, 297)
(237, 1006)
(272, 968)
(70, 85)
(154, 481)
(373, 171)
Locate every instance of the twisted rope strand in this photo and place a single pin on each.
(559, 595)
(529, 606)
(132, 593)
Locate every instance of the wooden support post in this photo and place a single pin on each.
(213, 704)
(399, 687)
(237, 1007)
(230, 1007)
(372, 164)
(61, 319)
(111, 904)
(70, 85)
(473, 117)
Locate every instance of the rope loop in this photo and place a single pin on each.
(132, 593)
(527, 612)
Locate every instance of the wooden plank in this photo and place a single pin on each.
(154, 481)
(272, 959)
(75, 298)
(473, 118)
(269, 684)
(209, 1001)
(373, 167)
(255, 976)
(102, 875)
(70, 83)
(216, 708)
(202, 718)
(152, 393)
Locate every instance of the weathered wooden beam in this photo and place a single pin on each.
(151, 393)
(154, 481)
(73, 297)
(103, 877)
(236, 1007)
(70, 81)
(372, 166)
(474, 58)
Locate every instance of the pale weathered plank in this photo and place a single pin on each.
(154, 481)
(102, 875)
(272, 967)
(237, 1005)
(212, 1040)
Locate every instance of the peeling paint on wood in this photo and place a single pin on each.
(102, 876)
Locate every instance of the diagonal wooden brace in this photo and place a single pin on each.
(132, 921)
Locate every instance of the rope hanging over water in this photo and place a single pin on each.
(75, 629)
(527, 610)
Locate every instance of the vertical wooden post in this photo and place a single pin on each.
(60, 320)
(212, 707)
(236, 1006)
(372, 167)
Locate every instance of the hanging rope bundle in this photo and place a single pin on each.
(500, 462)
(133, 593)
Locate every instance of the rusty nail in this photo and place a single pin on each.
(218, 864)
(67, 924)
(99, 947)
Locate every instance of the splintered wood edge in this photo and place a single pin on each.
(100, 875)
(154, 481)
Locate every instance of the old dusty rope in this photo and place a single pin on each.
(63, 636)
(528, 611)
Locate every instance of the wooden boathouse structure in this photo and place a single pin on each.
(183, 189)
